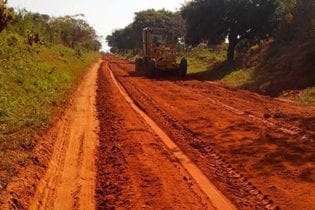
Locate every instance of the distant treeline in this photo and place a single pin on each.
(70, 31)
(241, 22)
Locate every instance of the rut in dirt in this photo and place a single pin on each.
(252, 159)
(135, 169)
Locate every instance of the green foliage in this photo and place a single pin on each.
(74, 33)
(308, 96)
(296, 22)
(239, 78)
(34, 85)
(70, 31)
(214, 20)
(129, 55)
(130, 37)
(201, 59)
(5, 15)
(42, 58)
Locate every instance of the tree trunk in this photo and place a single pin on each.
(230, 53)
(231, 49)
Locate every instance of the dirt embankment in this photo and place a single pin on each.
(281, 68)
(254, 148)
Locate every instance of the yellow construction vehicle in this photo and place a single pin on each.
(159, 53)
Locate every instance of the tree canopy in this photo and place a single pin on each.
(71, 31)
(215, 20)
(5, 15)
(236, 22)
(298, 17)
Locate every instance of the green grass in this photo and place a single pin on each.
(35, 82)
(200, 59)
(308, 96)
(239, 78)
(209, 65)
(128, 55)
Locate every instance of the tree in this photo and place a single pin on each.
(296, 21)
(177, 25)
(285, 31)
(70, 31)
(302, 19)
(5, 14)
(215, 20)
(73, 32)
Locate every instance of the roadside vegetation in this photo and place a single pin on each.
(41, 61)
(263, 46)
(308, 96)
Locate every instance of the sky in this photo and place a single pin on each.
(104, 15)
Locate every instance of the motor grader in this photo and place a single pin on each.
(159, 54)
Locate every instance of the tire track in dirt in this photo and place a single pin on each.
(135, 169)
(272, 118)
(218, 199)
(241, 191)
(272, 121)
(163, 92)
(69, 182)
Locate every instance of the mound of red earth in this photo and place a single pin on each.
(282, 68)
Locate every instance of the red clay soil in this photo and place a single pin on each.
(63, 172)
(135, 169)
(126, 166)
(69, 181)
(257, 150)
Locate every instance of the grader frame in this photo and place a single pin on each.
(159, 53)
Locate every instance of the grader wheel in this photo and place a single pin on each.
(139, 65)
(152, 71)
(183, 67)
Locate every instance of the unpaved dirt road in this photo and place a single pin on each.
(69, 182)
(107, 156)
(135, 169)
(258, 151)
(128, 142)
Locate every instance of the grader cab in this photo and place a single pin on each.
(159, 54)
